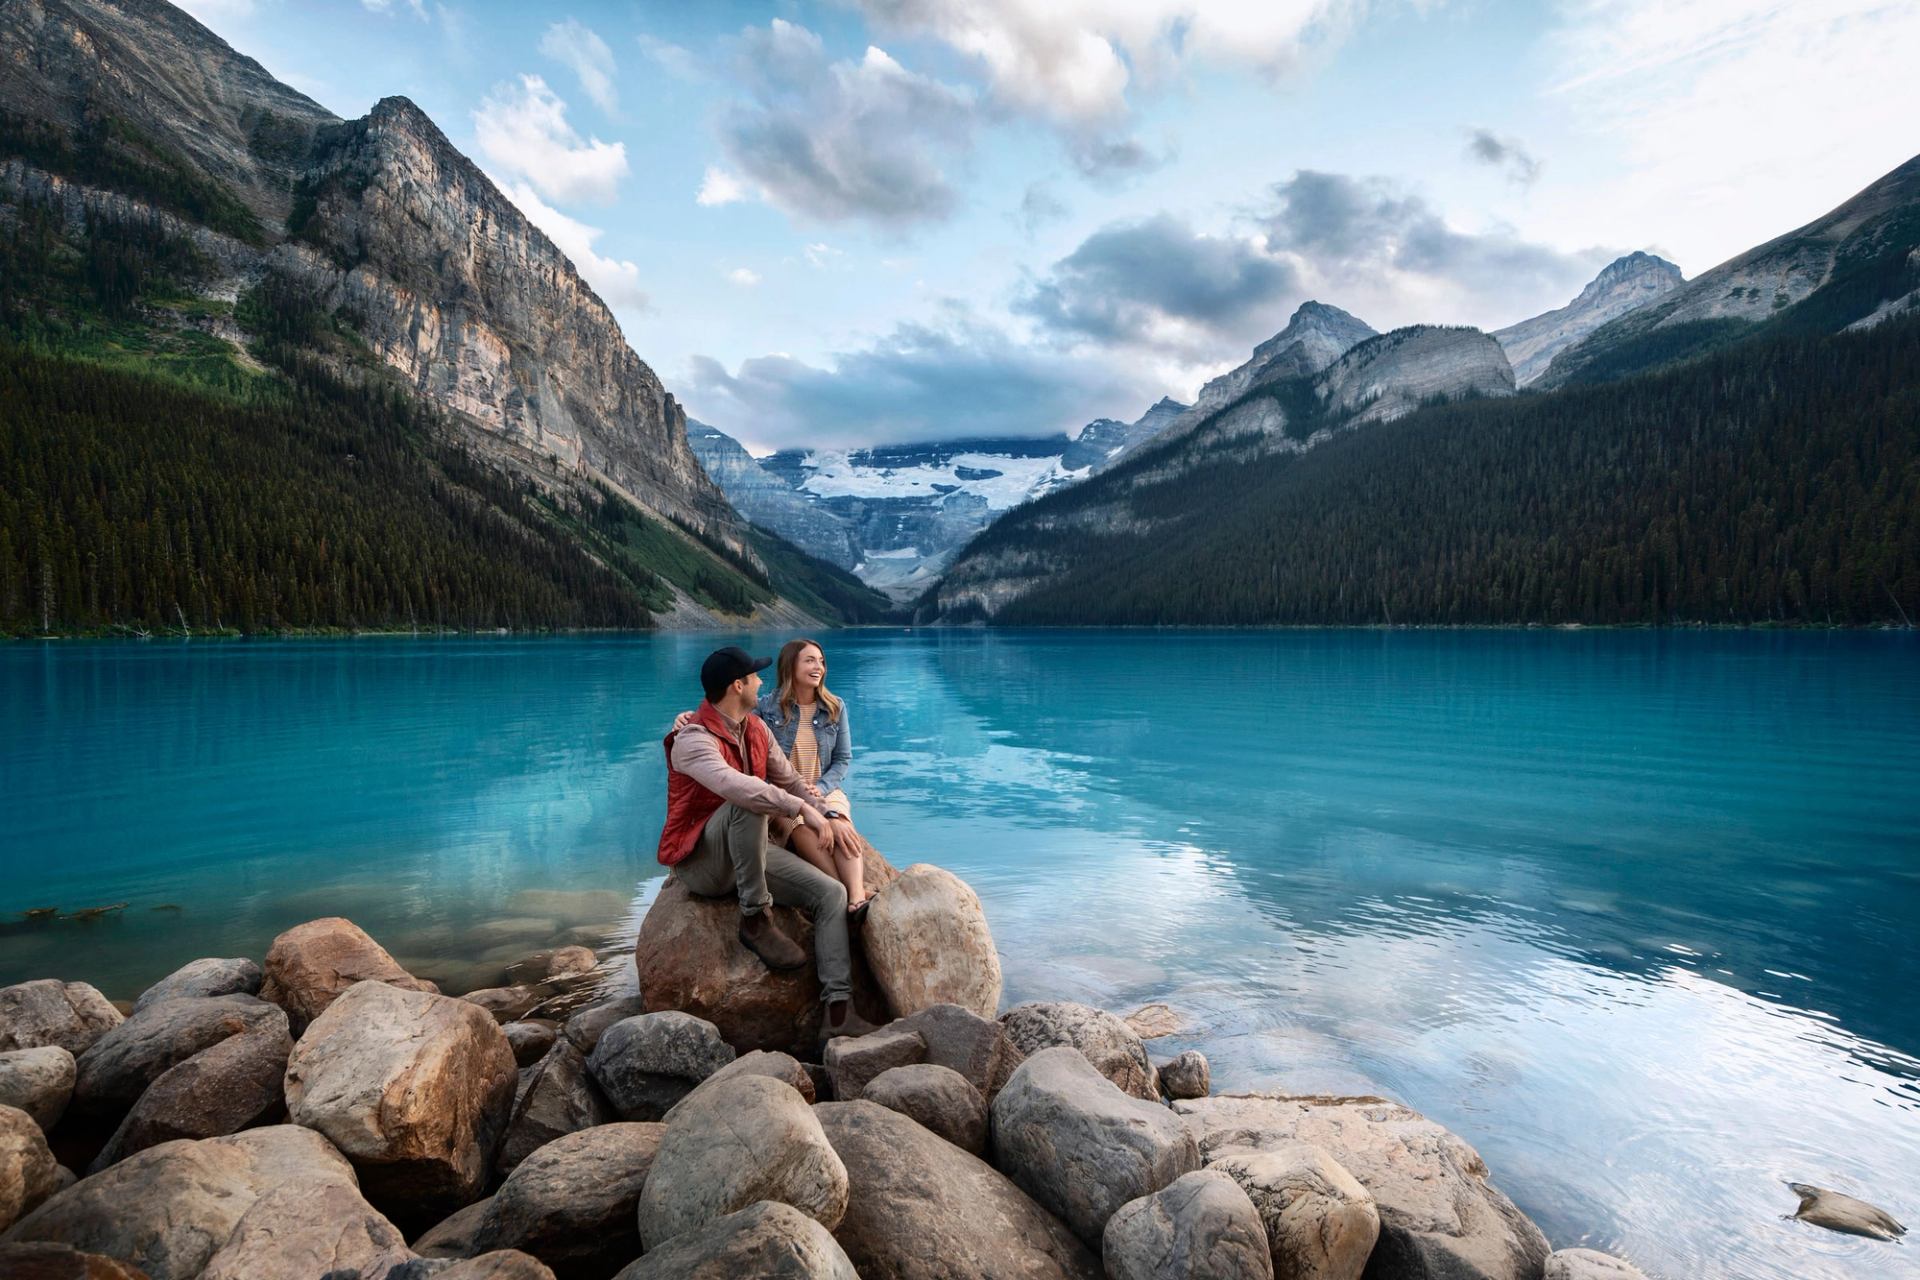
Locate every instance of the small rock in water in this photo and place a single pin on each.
(1152, 1021)
(1187, 1076)
(1837, 1211)
(1588, 1264)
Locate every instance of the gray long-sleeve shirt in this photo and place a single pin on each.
(696, 753)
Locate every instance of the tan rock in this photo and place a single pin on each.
(47, 1011)
(574, 1203)
(168, 1209)
(501, 1264)
(938, 1099)
(764, 1239)
(311, 964)
(1152, 1021)
(238, 976)
(1102, 1039)
(927, 941)
(978, 1048)
(775, 1066)
(124, 1062)
(1439, 1212)
(39, 1081)
(234, 1084)
(47, 1261)
(1200, 1226)
(688, 956)
(1320, 1222)
(300, 1233)
(919, 1208)
(851, 1061)
(1187, 1076)
(1837, 1211)
(415, 1088)
(746, 1139)
(1589, 1264)
(28, 1172)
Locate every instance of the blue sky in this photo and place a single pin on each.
(886, 220)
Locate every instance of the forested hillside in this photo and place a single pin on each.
(1775, 481)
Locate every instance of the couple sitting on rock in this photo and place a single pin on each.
(754, 807)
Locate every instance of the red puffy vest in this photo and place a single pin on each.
(689, 804)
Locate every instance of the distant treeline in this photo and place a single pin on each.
(1776, 481)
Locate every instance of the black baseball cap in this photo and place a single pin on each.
(724, 666)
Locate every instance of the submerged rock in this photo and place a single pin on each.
(1837, 1211)
(1200, 1226)
(1587, 1264)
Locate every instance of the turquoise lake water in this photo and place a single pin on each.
(1634, 913)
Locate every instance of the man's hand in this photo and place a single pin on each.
(818, 824)
(845, 836)
(682, 720)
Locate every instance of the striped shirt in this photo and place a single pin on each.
(805, 754)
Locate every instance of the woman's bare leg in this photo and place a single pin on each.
(804, 842)
(850, 867)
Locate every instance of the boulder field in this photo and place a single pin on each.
(327, 1115)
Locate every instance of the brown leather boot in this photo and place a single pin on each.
(841, 1020)
(760, 935)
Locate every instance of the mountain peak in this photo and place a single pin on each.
(1634, 268)
(1623, 285)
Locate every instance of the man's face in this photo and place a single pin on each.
(750, 686)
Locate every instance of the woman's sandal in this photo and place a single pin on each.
(858, 911)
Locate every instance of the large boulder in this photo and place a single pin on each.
(689, 958)
(204, 978)
(231, 1086)
(928, 943)
(774, 1066)
(415, 1088)
(47, 1011)
(920, 1208)
(938, 1099)
(47, 1261)
(39, 1081)
(574, 1203)
(28, 1171)
(299, 1233)
(976, 1047)
(501, 1264)
(453, 1235)
(1081, 1147)
(559, 1098)
(646, 1064)
(747, 1139)
(764, 1239)
(851, 1061)
(169, 1208)
(1440, 1216)
(1320, 1222)
(584, 1027)
(311, 965)
(1200, 1226)
(506, 1003)
(1102, 1039)
(122, 1063)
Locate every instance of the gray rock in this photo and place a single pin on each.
(311, 965)
(1187, 1076)
(71, 1015)
(204, 978)
(48, 1261)
(920, 1208)
(927, 942)
(1200, 1226)
(937, 1098)
(571, 962)
(1588, 1264)
(1080, 1146)
(1838, 1211)
(28, 1172)
(169, 1208)
(231, 1086)
(452, 1236)
(1102, 1039)
(297, 1233)
(647, 1063)
(574, 1203)
(764, 1239)
(851, 1061)
(1320, 1222)
(122, 1063)
(760, 1062)
(1625, 284)
(976, 1047)
(747, 1139)
(559, 1098)
(39, 1082)
(531, 1039)
(1439, 1214)
(505, 1003)
(586, 1027)
(415, 1088)
(501, 1264)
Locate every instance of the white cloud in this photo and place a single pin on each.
(418, 8)
(523, 130)
(670, 57)
(745, 277)
(617, 281)
(1737, 119)
(1073, 61)
(578, 47)
(720, 187)
(821, 254)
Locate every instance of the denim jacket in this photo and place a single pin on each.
(833, 740)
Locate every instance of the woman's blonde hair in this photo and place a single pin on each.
(784, 670)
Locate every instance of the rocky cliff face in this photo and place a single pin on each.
(1389, 376)
(1625, 284)
(770, 501)
(1105, 440)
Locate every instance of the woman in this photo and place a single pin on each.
(810, 724)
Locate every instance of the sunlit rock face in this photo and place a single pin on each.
(1625, 284)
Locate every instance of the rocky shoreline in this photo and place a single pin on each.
(327, 1114)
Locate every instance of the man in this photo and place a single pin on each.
(725, 778)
